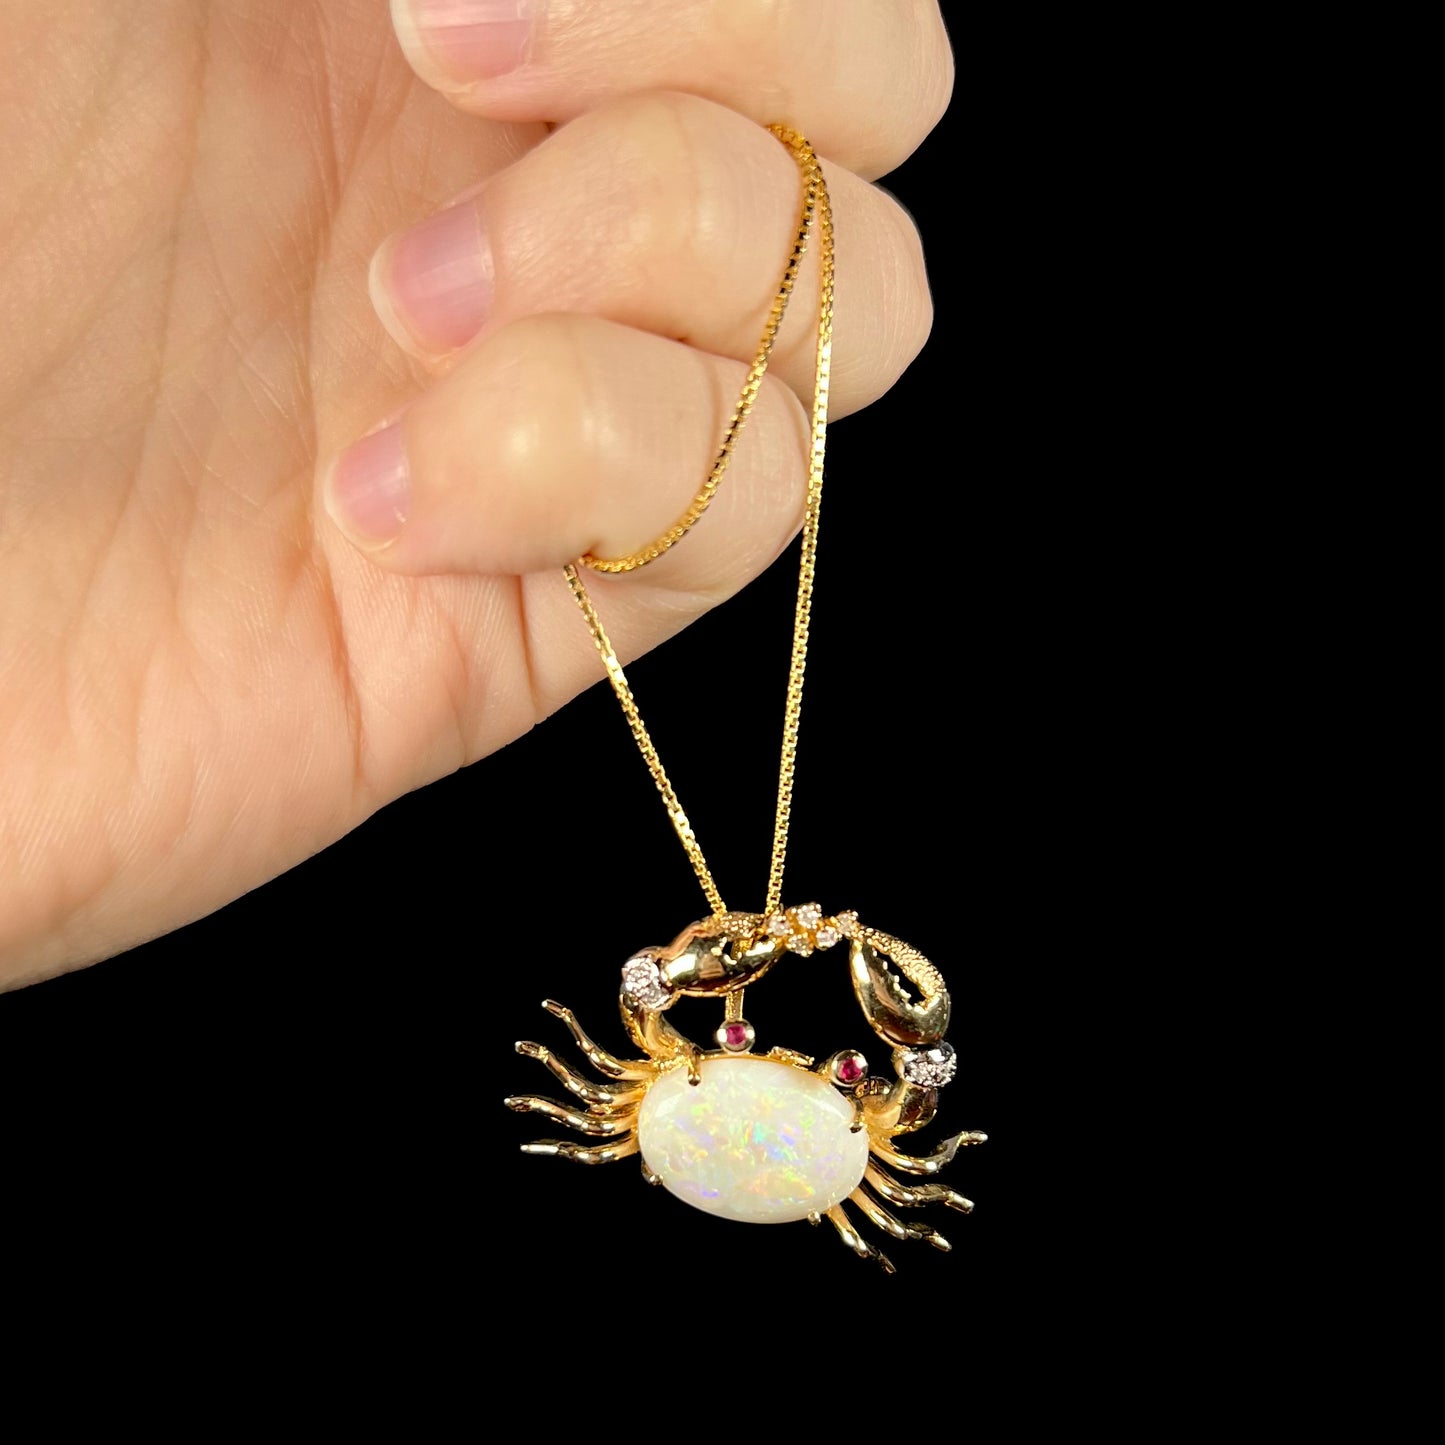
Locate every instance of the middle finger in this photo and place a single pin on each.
(669, 214)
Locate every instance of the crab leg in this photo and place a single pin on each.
(889, 1225)
(850, 1236)
(589, 1121)
(582, 1153)
(911, 1195)
(584, 1088)
(928, 1163)
(600, 1059)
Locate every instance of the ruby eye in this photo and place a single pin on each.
(847, 1068)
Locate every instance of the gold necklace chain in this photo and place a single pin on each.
(816, 211)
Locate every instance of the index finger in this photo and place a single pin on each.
(865, 80)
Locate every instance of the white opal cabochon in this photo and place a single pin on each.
(756, 1140)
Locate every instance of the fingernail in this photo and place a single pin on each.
(432, 285)
(475, 39)
(368, 491)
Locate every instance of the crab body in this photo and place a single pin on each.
(766, 1138)
(756, 1139)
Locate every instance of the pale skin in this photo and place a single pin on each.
(221, 268)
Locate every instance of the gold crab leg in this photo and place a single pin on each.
(853, 1239)
(586, 1121)
(911, 1195)
(584, 1088)
(889, 1225)
(600, 1059)
(582, 1153)
(927, 1163)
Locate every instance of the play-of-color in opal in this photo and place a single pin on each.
(756, 1140)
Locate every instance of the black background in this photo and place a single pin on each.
(306, 1086)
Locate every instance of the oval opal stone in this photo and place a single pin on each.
(756, 1140)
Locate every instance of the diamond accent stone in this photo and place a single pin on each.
(800, 944)
(809, 916)
(778, 926)
(642, 981)
(930, 1068)
(847, 923)
(826, 937)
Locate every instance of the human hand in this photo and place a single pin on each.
(201, 680)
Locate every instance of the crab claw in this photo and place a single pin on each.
(891, 1011)
(718, 955)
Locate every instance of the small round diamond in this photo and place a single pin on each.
(808, 916)
(642, 982)
(930, 1068)
(847, 923)
(826, 937)
(800, 944)
(778, 926)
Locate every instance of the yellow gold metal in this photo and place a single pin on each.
(790, 1056)
(855, 1241)
(913, 1195)
(718, 957)
(816, 212)
(600, 1059)
(598, 1122)
(585, 1089)
(890, 1225)
(886, 1004)
(580, 1153)
(803, 609)
(812, 184)
(927, 1163)
(901, 994)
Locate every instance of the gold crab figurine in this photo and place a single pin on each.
(766, 1138)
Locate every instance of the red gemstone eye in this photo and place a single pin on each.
(848, 1067)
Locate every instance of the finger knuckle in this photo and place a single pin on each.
(666, 174)
(543, 424)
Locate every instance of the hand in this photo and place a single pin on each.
(202, 680)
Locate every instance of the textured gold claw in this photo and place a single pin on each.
(891, 1010)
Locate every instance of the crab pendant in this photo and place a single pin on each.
(767, 1138)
